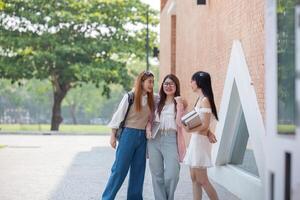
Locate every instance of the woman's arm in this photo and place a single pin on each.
(181, 107)
(116, 120)
(149, 126)
(185, 104)
(203, 128)
(152, 117)
(119, 115)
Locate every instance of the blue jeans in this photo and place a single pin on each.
(131, 152)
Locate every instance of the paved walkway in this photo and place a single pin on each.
(67, 168)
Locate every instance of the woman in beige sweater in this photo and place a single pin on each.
(131, 150)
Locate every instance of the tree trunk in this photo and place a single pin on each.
(73, 113)
(59, 93)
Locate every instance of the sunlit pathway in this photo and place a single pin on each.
(67, 168)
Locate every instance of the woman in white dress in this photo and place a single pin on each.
(198, 155)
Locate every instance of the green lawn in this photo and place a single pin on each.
(286, 128)
(2, 146)
(101, 129)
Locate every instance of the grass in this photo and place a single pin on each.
(97, 129)
(2, 146)
(286, 128)
(68, 128)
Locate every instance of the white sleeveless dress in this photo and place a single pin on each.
(198, 154)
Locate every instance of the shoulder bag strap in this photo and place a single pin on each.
(130, 102)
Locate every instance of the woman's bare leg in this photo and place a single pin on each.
(197, 189)
(202, 179)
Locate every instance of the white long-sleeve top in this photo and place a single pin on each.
(167, 117)
(119, 115)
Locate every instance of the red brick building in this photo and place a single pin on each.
(199, 37)
(226, 39)
(252, 51)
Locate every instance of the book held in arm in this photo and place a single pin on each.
(191, 119)
(155, 129)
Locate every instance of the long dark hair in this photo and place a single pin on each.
(203, 82)
(163, 95)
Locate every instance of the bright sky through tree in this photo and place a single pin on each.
(153, 3)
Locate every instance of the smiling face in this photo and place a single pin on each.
(169, 87)
(148, 84)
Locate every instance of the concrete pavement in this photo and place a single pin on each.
(37, 167)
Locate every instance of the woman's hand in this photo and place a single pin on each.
(113, 139)
(186, 128)
(211, 137)
(148, 134)
(178, 99)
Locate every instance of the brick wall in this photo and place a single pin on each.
(204, 37)
(173, 44)
(165, 41)
(162, 4)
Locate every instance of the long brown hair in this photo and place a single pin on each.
(138, 90)
(163, 95)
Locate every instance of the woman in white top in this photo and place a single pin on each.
(166, 147)
(198, 155)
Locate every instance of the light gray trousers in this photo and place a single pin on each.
(164, 164)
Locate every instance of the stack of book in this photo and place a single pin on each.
(191, 119)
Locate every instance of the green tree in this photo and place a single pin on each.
(86, 102)
(1, 5)
(71, 42)
(87, 97)
(33, 96)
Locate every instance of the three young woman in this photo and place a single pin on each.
(167, 148)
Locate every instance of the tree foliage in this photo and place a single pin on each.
(71, 42)
(286, 60)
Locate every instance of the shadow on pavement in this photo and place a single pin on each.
(86, 176)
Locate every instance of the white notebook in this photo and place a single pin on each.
(155, 128)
